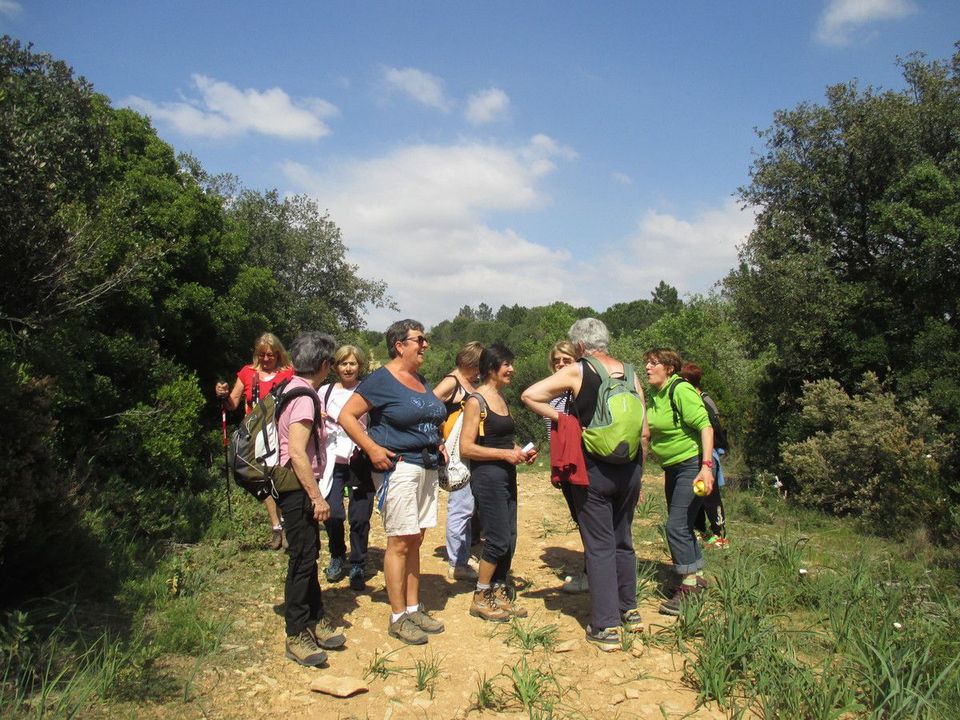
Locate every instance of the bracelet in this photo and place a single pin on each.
(708, 463)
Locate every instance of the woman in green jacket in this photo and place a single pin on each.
(682, 439)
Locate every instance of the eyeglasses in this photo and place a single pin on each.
(563, 361)
(418, 339)
(652, 363)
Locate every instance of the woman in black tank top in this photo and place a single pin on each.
(487, 441)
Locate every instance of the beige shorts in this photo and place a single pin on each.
(411, 502)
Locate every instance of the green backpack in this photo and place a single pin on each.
(613, 433)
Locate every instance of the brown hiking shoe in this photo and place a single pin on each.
(509, 604)
(486, 605)
(303, 649)
(408, 631)
(426, 623)
(326, 635)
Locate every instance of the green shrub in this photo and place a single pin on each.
(871, 456)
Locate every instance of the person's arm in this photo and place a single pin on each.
(537, 397)
(299, 436)
(445, 389)
(699, 415)
(468, 439)
(645, 431)
(356, 407)
(232, 399)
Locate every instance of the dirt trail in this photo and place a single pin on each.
(250, 678)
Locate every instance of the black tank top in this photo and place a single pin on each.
(584, 405)
(459, 393)
(498, 431)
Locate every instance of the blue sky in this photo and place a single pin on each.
(498, 152)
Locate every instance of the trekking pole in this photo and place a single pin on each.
(226, 456)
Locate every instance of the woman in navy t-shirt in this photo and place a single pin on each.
(404, 445)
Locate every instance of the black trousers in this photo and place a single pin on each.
(605, 514)
(495, 492)
(301, 591)
(358, 513)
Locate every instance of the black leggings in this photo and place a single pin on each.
(495, 492)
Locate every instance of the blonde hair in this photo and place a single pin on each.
(271, 342)
(345, 351)
(469, 355)
(561, 346)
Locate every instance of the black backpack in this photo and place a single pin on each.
(254, 451)
(719, 432)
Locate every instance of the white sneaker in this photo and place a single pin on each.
(461, 572)
(575, 584)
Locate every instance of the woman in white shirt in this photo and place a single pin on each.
(342, 478)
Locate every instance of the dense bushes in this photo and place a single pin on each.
(870, 455)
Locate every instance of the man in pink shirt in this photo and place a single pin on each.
(300, 432)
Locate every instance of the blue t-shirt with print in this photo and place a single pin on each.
(402, 420)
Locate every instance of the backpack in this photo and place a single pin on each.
(254, 451)
(613, 433)
(458, 474)
(719, 432)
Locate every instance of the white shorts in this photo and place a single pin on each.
(411, 501)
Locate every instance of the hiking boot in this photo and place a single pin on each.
(406, 630)
(575, 584)
(681, 595)
(326, 635)
(507, 603)
(631, 620)
(422, 620)
(335, 571)
(461, 572)
(356, 578)
(303, 649)
(486, 606)
(276, 538)
(607, 639)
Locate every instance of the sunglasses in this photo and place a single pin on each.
(418, 339)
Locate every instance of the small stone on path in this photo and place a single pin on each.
(566, 646)
(338, 687)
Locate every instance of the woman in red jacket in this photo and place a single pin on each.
(270, 366)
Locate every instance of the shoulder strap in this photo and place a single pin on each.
(483, 409)
(327, 394)
(597, 366)
(673, 404)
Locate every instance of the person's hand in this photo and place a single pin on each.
(515, 456)
(381, 458)
(321, 509)
(445, 454)
(705, 475)
(532, 456)
(222, 390)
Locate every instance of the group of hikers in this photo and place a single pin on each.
(389, 440)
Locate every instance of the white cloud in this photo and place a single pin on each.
(622, 178)
(10, 8)
(419, 86)
(487, 106)
(689, 254)
(224, 110)
(422, 218)
(842, 17)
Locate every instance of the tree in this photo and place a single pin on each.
(857, 240)
(304, 251)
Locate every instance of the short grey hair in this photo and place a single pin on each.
(310, 351)
(398, 331)
(591, 333)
